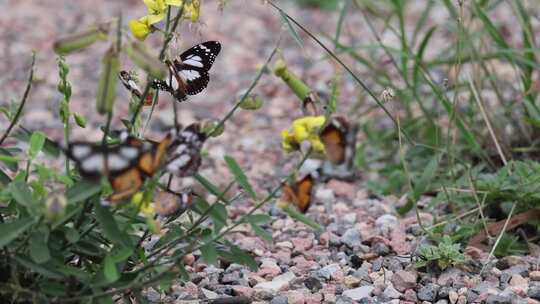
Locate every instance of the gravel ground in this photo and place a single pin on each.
(364, 253)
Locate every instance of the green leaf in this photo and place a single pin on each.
(218, 214)
(82, 190)
(52, 288)
(109, 270)
(243, 257)
(50, 147)
(293, 213)
(258, 218)
(210, 187)
(23, 196)
(239, 176)
(80, 120)
(209, 253)
(109, 226)
(39, 250)
(121, 254)
(11, 161)
(37, 141)
(4, 178)
(45, 270)
(72, 235)
(11, 230)
(263, 234)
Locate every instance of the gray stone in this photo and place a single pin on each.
(380, 249)
(352, 238)
(209, 294)
(428, 292)
(362, 274)
(386, 223)
(327, 272)
(153, 296)
(359, 293)
(404, 280)
(344, 300)
(498, 299)
(279, 300)
(391, 292)
(534, 292)
(443, 292)
(313, 284)
(443, 301)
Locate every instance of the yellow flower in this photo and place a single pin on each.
(141, 28)
(157, 9)
(194, 10)
(304, 129)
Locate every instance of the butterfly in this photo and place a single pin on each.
(185, 151)
(189, 71)
(336, 137)
(298, 194)
(126, 165)
(130, 83)
(168, 202)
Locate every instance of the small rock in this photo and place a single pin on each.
(153, 296)
(302, 244)
(341, 188)
(208, 294)
(534, 292)
(325, 195)
(499, 299)
(410, 295)
(449, 276)
(277, 283)
(443, 301)
(428, 292)
(351, 281)
(327, 272)
(313, 284)
(391, 292)
(359, 293)
(280, 300)
(518, 280)
(344, 300)
(295, 297)
(386, 223)
(453, 296)
(443, 292)
(509, 261)
(462, 300)
(352, 238)
(380, 249)
(534, 275)
(362, 274)
(242, 291)
(404, 280)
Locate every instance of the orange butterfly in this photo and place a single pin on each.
(299, 194)
(334, 136)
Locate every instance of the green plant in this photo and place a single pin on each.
(445, 254)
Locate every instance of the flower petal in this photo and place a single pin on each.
(140, 28)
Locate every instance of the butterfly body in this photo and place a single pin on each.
(185, 151)
(189, 72)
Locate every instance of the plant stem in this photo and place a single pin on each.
(23, 101)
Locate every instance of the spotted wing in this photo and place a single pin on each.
(334, 138)
(185, 151)
(193, 65)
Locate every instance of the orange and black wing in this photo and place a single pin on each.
(299, 194)
(126, 184)
(334, 138)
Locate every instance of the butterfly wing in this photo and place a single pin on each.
(334, 138)
(185, 151)
(193, 65)
(129, 83)
(303, 193)
(126, 184)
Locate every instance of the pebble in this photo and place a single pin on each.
(428, 292)
(534, 275)
(313, 284)
(352, 238)
(453, 296)
(359, 293)
(386, 223)
(534, 292)
(277, 283)
(242, 291)
(280, 300)
(404, 280)
(391, 292)
(351, 281)
(498, 299)
(380, 249)
(327, 272)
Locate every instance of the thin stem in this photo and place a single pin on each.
(356, 78)
(23, 101)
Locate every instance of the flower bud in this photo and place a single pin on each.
(79, 41)
(55, 207)
(252, 102)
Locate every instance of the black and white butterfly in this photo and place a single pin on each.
(129, 81)
(185, 151)
(189, 71)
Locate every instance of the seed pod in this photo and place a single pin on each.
(55, 207)
(252, 102)
(213, 128)
(107, 82)
(146, 61)
(79, 41)
(296, 84)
